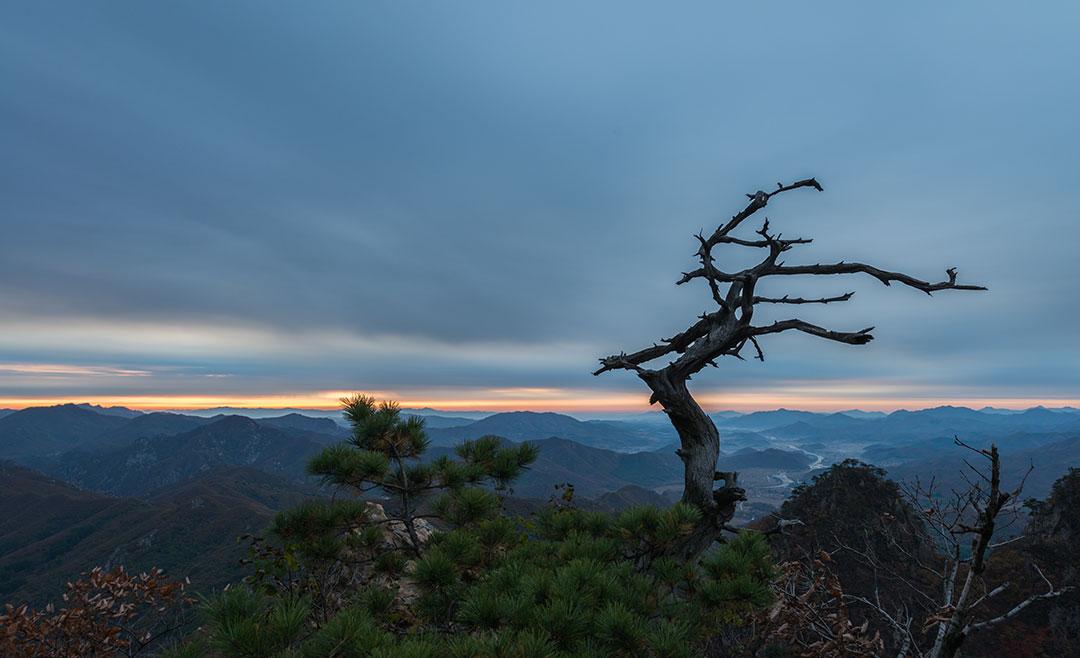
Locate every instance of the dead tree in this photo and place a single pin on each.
(725, 332)
(953, 597)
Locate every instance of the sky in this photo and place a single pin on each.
(464, 205)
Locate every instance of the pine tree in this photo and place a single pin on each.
(342, 578)
(326, 548)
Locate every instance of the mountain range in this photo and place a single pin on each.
(146, 463)
(88, 485)
(530, 425)
(50, 530)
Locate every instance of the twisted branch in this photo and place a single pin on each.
(724, 332)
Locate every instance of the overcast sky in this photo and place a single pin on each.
(465, 204)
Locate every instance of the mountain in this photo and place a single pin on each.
(260, 492)
(897, 437)
(48, 430)
(50, 531)
(891, 454)
(259, 413)
(146, 426)
(530, 426)
(863, 415)
(854, 505)
(141, 455)
(433, 421)
(295, 421)
(1047, 462)
(427, 412)
(593, 471)
(769, 458)
(764, 420)
(631, 496)
(152, 463)
(123, 412)
(797, 430)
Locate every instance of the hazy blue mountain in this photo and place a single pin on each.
(528, 425)
(731, 441)
(146, 426)
(631, 496)
(885, 437)
(769, 458)
(940, 418)
(40, 431)
(4, 412)
(863, 415)
(655, 417)
(259, 413)
(1048, 463)
(304, 423)
(136, 455)
(123, 412)
(889, 454)
(460, 415)
(432, 421)
(592, 471)
(149, 464)
(995, 410)
(799, 430)
(769, 420)
(597, 471)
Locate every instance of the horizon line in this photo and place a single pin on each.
(594, 406)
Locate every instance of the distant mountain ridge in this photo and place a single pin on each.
(203, 479)
(151, 463)
(303, 423)
(51, 531)
(531, 426)
(114, 451)
(123, 412)
(49, 430)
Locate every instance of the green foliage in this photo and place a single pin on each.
(736, 573)
(384, 455)
(568, 583)
(348, 582)
(351, 633)
(245, 623)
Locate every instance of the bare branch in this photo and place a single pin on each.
(727, 239)
(1019, 607)
(883, 276)
(760, 354)
(758, 200)
(676, 344)
(850, 337)
(799, 300)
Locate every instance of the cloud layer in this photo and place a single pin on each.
(257, 200)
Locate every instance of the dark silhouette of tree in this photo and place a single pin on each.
(726, 331)
(958, 594)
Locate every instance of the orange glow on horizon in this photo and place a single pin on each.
(557, 400)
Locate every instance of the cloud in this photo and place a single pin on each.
(395, 197)
(47, 369)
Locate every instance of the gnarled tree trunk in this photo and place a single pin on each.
(724, 332)
(700, 448)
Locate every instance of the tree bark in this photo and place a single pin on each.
(699, 449)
